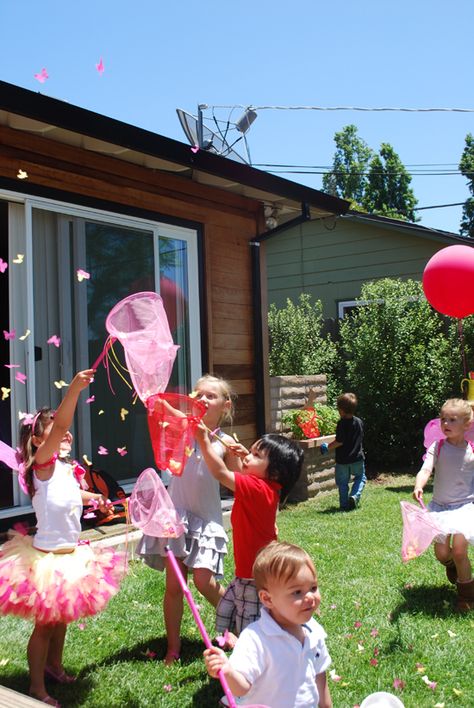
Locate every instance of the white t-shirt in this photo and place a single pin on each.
(281, 670)
(58, 506)
(454, 474)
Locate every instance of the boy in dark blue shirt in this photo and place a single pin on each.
(349, 452)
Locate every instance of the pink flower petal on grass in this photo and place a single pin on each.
(168, 687)
(398, 684)
(82, 626)
(150, 654)
(333, 606)
(357, 624)
(334, 676)
(374, 632)
(374, 662)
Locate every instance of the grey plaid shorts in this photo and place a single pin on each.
(238, 607)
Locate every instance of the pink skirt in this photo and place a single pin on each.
(57, 587)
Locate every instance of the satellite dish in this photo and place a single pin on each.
(212, 141)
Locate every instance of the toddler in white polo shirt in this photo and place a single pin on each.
(281, 659)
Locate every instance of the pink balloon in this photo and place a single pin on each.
(448, 281)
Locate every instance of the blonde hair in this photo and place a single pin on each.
(279, 561)
(460, 405)
(226, 392)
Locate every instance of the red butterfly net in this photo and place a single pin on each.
(419, 530)
(308, 423)
(172, 420)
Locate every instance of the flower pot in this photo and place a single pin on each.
(318, 470)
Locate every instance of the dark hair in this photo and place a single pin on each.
(25, 442)
(285, 460)
(347, 403)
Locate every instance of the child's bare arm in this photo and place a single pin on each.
(216, 660)
(325, 700)
(420, 480)
(64, 416)
(215, 464)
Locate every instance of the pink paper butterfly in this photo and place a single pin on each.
(54, 340)
(90, 400)
(9, 335)
(195, 149)
(82, 274)
(102, 450)
(122, 451)
(42, 76)
(3, 265)
(20, 377)
(12, 366)
(100, 67)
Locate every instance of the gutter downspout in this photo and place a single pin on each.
(257, 311)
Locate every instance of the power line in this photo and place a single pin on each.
(342, 108)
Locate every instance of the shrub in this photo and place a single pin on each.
(300, 422)
(401, 362)
(297, 345)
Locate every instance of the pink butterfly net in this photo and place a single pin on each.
(152, 511)
(139, 322)
(151, 508)
(419, 530)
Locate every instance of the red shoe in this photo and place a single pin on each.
(58, 676)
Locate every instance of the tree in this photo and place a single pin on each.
(297, 345)
(401, 364)
(388, 190)
(347, 178)
(466, 167)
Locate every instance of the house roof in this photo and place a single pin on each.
(25, 110)
(408, 227)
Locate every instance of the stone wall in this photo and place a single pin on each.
(291, 393)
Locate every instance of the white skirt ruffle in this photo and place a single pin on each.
(455, 521)
(203, 545)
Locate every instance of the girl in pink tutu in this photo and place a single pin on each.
(451, 508)
(51, 578)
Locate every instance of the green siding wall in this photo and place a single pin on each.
(330, 260)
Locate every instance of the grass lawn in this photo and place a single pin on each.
(385, 621)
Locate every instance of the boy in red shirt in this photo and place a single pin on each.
(269, 471)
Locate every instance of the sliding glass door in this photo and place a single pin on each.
(84, 263)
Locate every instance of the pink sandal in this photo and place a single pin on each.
(58, 676)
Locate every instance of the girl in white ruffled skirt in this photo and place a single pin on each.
(452, 506)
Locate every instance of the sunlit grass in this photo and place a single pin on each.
(373, 607)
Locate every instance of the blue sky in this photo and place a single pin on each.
(162, 55)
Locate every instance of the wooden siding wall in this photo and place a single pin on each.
(228, 223)
(331, 259)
